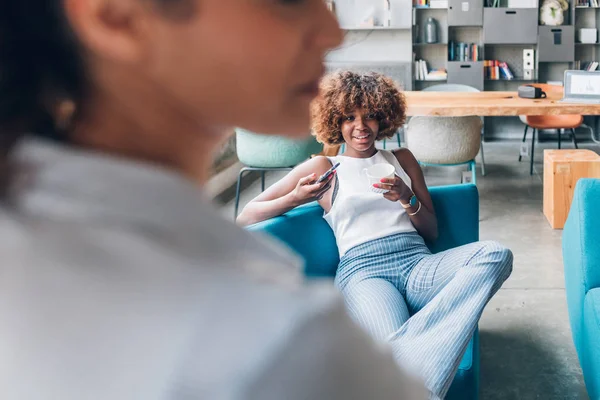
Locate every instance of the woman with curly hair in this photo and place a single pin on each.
(426, 305)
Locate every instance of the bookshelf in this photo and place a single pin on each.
(485, 27)
(585, 17)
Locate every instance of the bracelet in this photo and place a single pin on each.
(416, 212)
(407, 206)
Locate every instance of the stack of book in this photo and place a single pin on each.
(421, 3)
(586, 65)
(463, 51)
(422, 73)
(587, 3)
(497, 70)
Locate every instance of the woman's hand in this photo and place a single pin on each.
(308, 189)
(398, 190)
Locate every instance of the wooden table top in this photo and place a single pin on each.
(453, 104)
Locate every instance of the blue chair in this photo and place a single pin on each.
(457, 207)
(581, 256)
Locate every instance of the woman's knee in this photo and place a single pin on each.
(498, 257)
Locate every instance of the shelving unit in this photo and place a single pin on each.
(585, 17)
(501, 33)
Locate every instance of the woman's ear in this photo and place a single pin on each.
(112, 29)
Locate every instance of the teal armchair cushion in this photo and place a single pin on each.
(581, 257)
(306, 232)
(590, 343)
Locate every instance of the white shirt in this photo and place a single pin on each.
(119, 281)
(358, 214)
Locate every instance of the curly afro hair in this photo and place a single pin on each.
(343, 92)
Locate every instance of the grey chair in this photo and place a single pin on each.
(454, 87)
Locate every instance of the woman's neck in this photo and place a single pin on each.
(136, 120)
(350, 152)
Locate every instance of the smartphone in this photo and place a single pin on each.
(326, 174)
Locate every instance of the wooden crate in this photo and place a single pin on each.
(562, 170)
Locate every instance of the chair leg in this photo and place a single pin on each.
(524, 139)
(574, 138)
(262, 181)
(237, 193)
(532, 153)
(559, 137)
(384, 145)
(474, 172)
(398, 138)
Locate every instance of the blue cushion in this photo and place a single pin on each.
(581, 251)
(466, 382)
(581, 256)
(306, 232)
(590, 357)
(457, 208)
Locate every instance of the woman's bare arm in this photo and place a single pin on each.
(425, 221)
(296, 188)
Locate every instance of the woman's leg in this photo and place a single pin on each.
(376, 305)
(448, 291)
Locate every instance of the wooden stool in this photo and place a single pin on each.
(562, 170)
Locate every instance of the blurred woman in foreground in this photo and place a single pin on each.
(118, 279)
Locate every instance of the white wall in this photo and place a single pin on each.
(388, 45)
(375, 45)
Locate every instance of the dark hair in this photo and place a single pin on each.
(41, 65)
(343, 92)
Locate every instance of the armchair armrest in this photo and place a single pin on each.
(581, 249)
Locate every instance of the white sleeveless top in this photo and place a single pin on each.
(359, 215)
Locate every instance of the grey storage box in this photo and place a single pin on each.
(510, 25)
(466, 73)
(465, 13)
(556, 43)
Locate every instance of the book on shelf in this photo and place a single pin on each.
(441, 4)
(587, 3)
(421, 3)
(463, 51)
(497, 70)
(423, 73)
(586, 65)
(437, 75)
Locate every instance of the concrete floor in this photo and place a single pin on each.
(526, 346)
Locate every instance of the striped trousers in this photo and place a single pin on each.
(426, 306)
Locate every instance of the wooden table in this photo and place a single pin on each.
(452, 104)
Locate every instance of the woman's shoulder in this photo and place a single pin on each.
(397, 155)
(319, 163)
(405, 157)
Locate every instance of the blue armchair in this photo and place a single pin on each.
(457, 207)
(581, 256)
